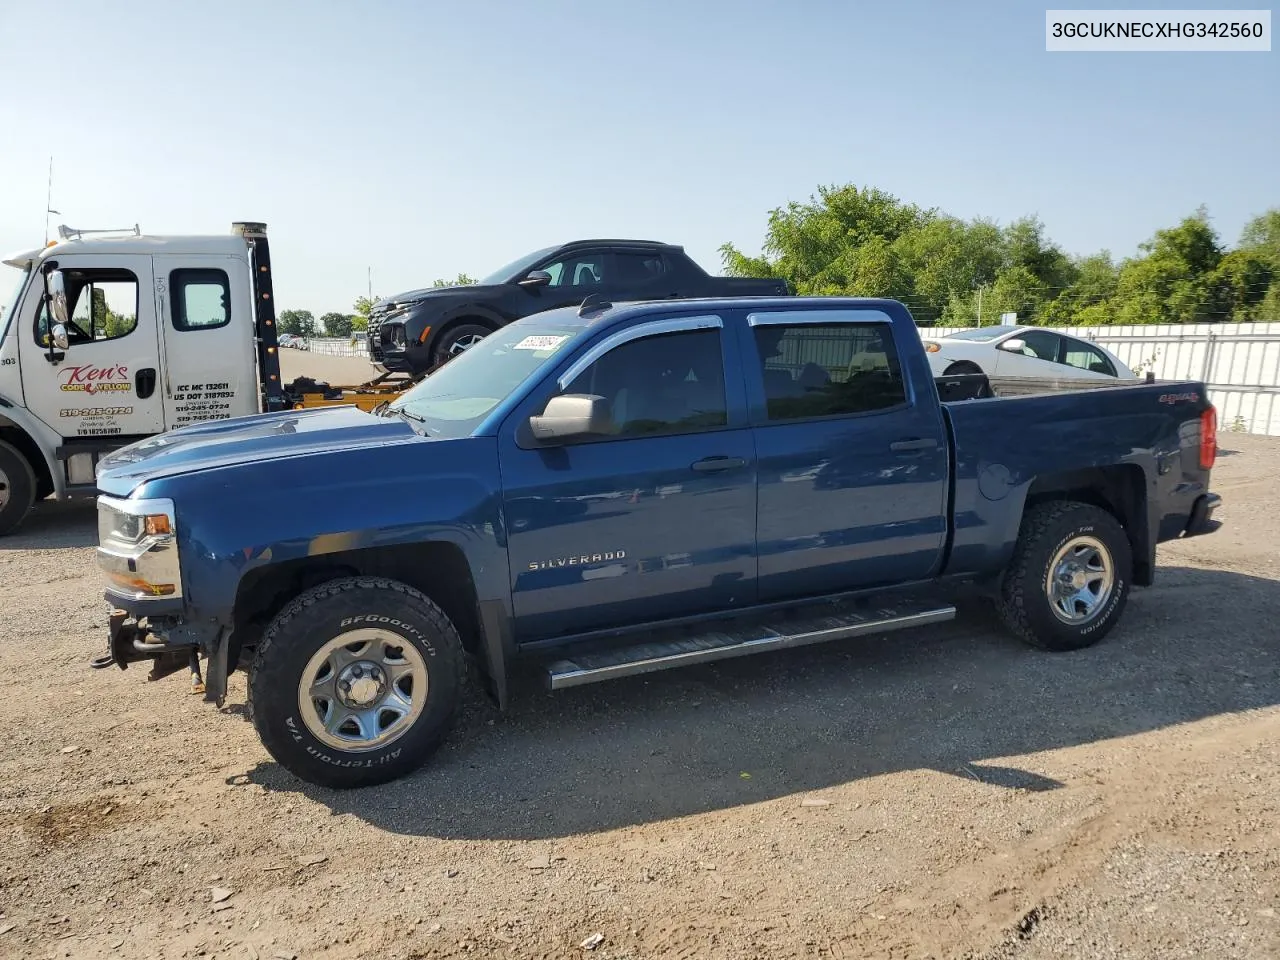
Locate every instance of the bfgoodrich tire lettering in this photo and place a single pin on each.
(1025, 602)
(397, 616)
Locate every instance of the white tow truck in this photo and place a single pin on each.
(148, 334)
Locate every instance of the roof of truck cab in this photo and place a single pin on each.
(618, 312)
(223, 244)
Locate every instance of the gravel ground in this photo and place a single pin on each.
(942, 793)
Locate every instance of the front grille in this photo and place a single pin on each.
(375, 341)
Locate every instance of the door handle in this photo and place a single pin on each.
(145, 382)
(715, 464)
(915, 443)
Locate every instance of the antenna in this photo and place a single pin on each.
(593, 301)
(48, 202)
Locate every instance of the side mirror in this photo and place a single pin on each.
(572, 415)
(58, 297)
(1014, 346)
(59, 336)
(536, 278)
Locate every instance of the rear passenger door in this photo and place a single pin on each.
(853, 468)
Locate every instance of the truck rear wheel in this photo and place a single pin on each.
(356, 682)
(17, 488)
(1069, 578)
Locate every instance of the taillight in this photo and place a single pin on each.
(1208, 438)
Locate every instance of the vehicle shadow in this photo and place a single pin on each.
(56, 525)
(958, 699)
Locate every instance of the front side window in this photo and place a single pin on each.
(1086, 357)
(812, 370)
(662, 384)
(579, 270)
(199, 299)
(1039, 344)
(103, 305)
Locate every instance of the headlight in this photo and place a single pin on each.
(137, 548)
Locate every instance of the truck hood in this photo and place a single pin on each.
(430, 293)
(223, 443)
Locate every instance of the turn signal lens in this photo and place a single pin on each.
(1208, 438)
(426, 332)
(157, 525)
(931, 347)
(138, 585)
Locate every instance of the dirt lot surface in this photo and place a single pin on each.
(942, 793)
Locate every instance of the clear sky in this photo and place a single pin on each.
(426, 138)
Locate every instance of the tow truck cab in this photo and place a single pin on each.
(110, 339)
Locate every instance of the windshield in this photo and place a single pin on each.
(455, 399)
(11, 304)
(980, 333)
(516, 267)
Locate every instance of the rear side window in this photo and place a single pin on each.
(200, 299)
(825, 371)
(1086, 357)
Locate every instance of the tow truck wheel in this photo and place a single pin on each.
(17, 488)
(1069, 578)
(356, 682)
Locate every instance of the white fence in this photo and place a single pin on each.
(1240, 362)
(339, 347)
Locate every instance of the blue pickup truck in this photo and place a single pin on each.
(615, 489)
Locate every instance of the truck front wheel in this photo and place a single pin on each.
(17, 488)
(356, 682)
(1069, 578)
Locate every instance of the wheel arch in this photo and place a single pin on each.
(439, 569)
(19, 435)
(1119, 489)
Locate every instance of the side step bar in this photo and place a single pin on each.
(686, 647)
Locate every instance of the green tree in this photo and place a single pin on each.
(362, 308)
(461, 280)
(336, 324)
(300, 323)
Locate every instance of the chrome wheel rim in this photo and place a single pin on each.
(363, 690)
(4, 489)
(464, 343)
(1080, 580)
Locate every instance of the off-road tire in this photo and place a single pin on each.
(309, 622)
(1023, 602)
(20, 482)
(442, 349)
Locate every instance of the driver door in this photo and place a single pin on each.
(105, 383)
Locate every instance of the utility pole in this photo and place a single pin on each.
(370, 279)
(980, 306)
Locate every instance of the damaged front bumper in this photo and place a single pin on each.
(170, 647)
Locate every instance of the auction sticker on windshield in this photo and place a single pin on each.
(540, 342)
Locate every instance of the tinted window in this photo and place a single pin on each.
(103, 305)
(1041, 345)
(823, 371)
(1086, 357)
(200, 299)
(638, 266)
(667, 383)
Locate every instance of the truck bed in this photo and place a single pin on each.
(1006, 433)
